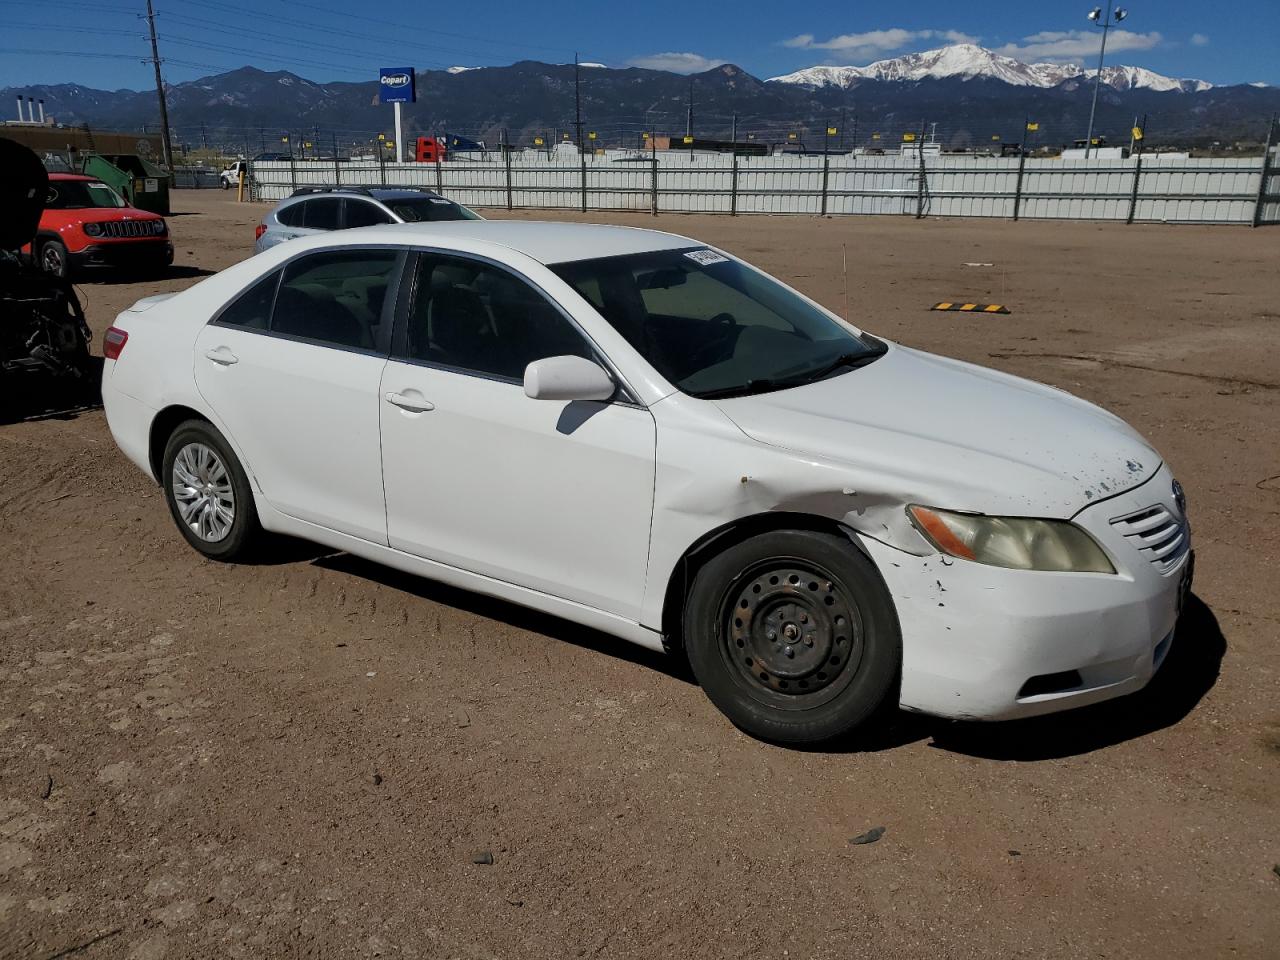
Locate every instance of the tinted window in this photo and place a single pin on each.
(74, 194)
(362, 213)
(291, 216)
(476, 317)
(322, 214)
(420, 209)
(339, 298)
(252, 309)
(715, 327)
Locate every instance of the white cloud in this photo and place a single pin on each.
(1075, 46)
(677, 62)
(1199, 40)
(876, 42)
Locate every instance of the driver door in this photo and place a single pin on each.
(551, 495)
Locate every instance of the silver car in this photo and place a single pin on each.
(320, 209)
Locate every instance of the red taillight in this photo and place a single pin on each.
(259, 231)
(113, 342)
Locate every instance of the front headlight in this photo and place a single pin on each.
(93, 229)
(158, 227)
(1018, 543)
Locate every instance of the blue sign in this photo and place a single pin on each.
(395, 85)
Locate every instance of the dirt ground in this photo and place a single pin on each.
(301, 758)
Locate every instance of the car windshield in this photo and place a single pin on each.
(74, 194)
(422, 209)
(715, 327)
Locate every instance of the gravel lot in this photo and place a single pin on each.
(302, 758)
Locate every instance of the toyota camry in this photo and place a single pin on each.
(644, 434)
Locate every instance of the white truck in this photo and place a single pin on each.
(230, 176)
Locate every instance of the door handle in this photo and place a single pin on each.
(222, 356)
(412, 404)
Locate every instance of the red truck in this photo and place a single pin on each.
(86, 224)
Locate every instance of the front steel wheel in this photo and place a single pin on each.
(793, 635)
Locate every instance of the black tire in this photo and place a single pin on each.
(226, 184)
(244, 530)
(54, 259)
(794, 636)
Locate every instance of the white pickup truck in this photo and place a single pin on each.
(230, 177)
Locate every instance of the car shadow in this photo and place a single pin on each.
(31, 397)
(503, 611)
(114, 278)
(1189, 672)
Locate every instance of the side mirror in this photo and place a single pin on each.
(567, 378)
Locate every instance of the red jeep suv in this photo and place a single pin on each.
(86, 224)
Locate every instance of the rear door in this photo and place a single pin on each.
(292, 369)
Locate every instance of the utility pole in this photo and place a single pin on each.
(735, 130)
(842, 113)
(164, 107)
(577, 100)
(204, 136)
(688, 124)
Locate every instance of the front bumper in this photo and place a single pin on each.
(124, 254)
(986, 643)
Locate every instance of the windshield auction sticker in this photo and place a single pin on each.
(706, 257)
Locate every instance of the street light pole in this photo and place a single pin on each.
(1095, 16)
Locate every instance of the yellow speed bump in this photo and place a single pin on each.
(971, 307)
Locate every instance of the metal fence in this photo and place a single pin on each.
(1135, 190)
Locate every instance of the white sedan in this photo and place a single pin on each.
(642, 434)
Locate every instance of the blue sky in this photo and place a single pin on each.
(100, 42)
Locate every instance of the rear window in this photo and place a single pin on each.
(252, 310)
(291, 216)
(322, 214)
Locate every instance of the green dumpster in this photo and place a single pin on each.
(138, 180)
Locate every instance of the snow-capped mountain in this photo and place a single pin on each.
(967, 60)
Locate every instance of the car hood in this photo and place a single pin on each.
(103, 214)
(930, 430)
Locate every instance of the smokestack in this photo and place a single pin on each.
(19, 108)
(41, 102)
(31, 109)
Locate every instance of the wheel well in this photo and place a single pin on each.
(715, 543)
(162, 428)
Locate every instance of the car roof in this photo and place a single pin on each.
(390, 193)
(545, 242)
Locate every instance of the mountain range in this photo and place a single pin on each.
(974, 95)
(967, 61)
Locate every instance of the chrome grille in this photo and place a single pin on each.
(128, 228)
(1156, 534)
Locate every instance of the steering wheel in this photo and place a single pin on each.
(699, 357)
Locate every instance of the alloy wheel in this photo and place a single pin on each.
(202, 492)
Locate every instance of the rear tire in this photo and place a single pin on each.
(208, 492)
(793, 635)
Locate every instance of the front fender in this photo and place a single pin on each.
(711, 475)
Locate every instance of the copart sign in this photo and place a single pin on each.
(395, 85)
